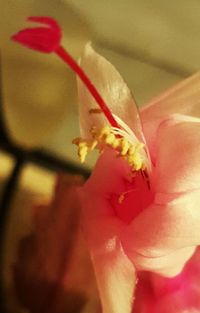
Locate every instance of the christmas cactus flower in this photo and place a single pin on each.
(140, 206)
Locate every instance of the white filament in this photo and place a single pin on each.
(127, 133)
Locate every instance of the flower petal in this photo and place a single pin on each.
(164, 235)
(177, 148)
(116, 279)
(108, 166)
(183, 98)
(115, 274)
(113, 90)
(171, 223)
(180, 294)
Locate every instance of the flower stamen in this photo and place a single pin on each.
(107, 137)
(123, 195)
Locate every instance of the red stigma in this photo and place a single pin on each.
(44, 39)
(47, 39)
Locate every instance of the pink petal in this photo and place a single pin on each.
(172, 222)
(183, 98)
(110, 179)
(115, 274)
(176, 211)
(43, 39)
(113, 90)
(102, 225)
(180, 294)
(164, 235)
(144, 296)
(108, 165)
(116, 279)
(177, 168)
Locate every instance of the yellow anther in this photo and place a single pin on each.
(82, 151)
(131, 150)
(116, 143)
(106, 130)
(106, 136)
(83, 144)
(125, 145)
(110, 139)
(124, 194)
(135, 161)
(93, 144)
(139, 146)
(138, 165)
(130, 159)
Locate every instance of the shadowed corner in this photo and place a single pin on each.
(52, 267)
(44, 296)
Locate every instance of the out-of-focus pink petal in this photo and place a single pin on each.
(179, 294)
(177, 147)
(183, 98)
(44, 39)
(113, 90)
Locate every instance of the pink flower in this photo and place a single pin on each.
(140, 206)
(154, 230)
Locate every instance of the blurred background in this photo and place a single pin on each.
(153, 44)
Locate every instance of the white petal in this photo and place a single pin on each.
(113, 90)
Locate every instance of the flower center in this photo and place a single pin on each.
(133, 199)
